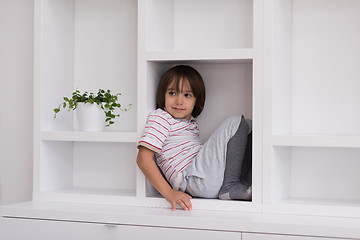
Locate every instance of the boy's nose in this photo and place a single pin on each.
(179, 99)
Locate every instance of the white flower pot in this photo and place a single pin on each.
(91, 117)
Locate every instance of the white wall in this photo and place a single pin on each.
(16, 93)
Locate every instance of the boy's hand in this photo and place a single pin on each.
(151, 171)
(176, 197)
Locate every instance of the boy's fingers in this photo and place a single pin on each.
(188, 204)
(173, 206)
(183, 205)
(183, 201)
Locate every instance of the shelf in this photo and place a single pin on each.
(128, 198)
(228, 55)
(94, 191)
(195, 219)
(316, 141)
(97, 191)
(311, 206)
(127, 137)
(323, 202)
(88, 195)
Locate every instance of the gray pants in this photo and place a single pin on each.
(204, 176)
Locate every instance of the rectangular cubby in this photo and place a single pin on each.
(199, 24)
(78, 168)
(315, 74)
(86, 45)
(315, 180)
(316, 173)
(228, 89)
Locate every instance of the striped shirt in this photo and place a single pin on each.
(175, 143)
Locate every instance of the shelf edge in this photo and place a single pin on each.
(245, 54)
(76, 136)
(316, 141)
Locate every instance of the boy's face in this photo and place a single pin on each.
(180, 104)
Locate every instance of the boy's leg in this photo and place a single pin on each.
(233, 187)
(204, 176)
(246, 170)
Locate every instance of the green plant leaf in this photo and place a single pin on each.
(105, 99)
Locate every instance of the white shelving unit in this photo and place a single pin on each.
(311, 124)
(125, 46)
(290, 65)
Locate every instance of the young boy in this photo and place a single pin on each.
(172, 135)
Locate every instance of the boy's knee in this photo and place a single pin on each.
(233, 120)
(199, 188)
(236, 119)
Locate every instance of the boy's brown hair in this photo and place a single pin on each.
(174, 76)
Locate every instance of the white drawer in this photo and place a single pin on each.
(19, 229)
(260, 236)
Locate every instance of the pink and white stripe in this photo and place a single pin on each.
(175, 142)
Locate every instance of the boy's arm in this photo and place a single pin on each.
(152, 173)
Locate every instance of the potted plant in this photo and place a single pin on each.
(94, 111)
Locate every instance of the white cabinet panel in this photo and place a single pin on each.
(19, 229)
(260, 236)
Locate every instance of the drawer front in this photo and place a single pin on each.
(260, 236)
(19, 229)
